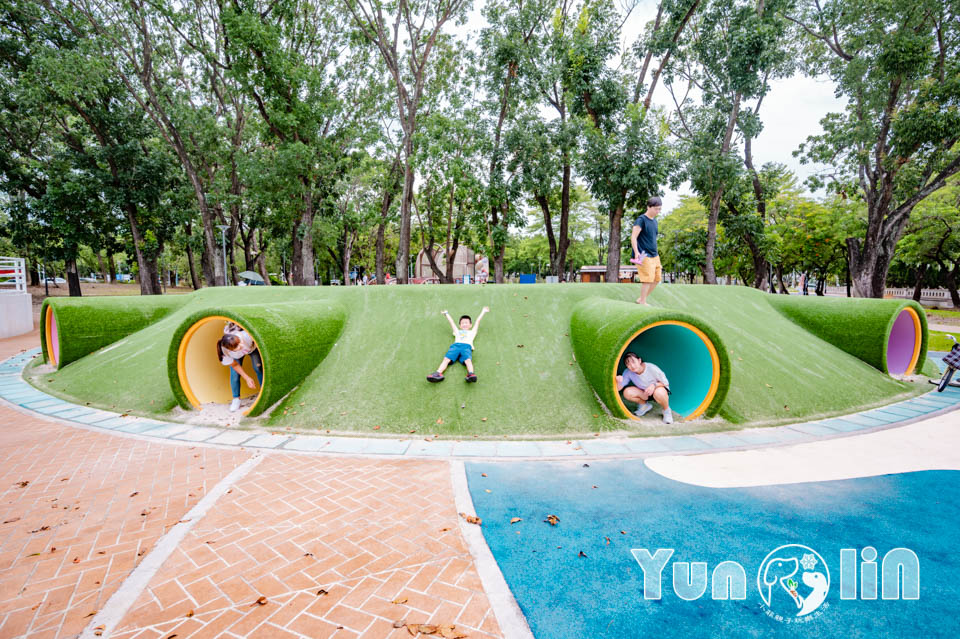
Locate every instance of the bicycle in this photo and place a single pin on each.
(952, 360)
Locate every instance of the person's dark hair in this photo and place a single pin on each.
(463, 317)
(228, 341)
(630, 357)
(654, 201)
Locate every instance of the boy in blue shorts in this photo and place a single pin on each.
(462, 348)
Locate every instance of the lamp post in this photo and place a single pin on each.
(223, 248)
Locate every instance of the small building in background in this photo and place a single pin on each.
(597, 273)
(466, 262)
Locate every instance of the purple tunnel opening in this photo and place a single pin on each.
(903, 345)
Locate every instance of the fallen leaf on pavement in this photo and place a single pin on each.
(515, 520)
(471, 519)
(582, 554)
(399, 623)
(189, 613)
(399, 600)
(10, 521)
(483, 474)
(23, 484)
(261, 601)
(98, 631)
(553, 520)
(135, 493)
(90, 614)
(412, 629)
(40, 529)
(450, 632)
(426, 629)
(322, 592)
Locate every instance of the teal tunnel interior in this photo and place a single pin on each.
(684, 358)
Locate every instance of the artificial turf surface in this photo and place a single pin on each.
(529, 383)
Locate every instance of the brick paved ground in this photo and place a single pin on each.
(375, 530)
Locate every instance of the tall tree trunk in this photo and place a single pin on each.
(498, 264)
(918, 286)
(262, 259)
(406, 206)
(194, 278)
(102, 265)
(147, 273)
(73, 278)
(613, 245)
(302, 268)
(389, 193)
(112, 266)
(709, 272)
(563, 242)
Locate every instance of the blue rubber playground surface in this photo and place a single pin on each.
(608, 508)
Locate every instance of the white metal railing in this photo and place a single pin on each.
(933, 294)
(13, 275)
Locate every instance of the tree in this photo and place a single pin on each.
(897, 63)
(405, 33)
(931, 244)
(728, 58)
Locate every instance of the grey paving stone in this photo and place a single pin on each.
(198, 434)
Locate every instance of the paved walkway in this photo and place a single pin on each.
(329, 542)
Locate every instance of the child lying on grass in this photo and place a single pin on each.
(462, 348)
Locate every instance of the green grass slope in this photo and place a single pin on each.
(529, 383)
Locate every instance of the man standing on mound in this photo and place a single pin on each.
(645, 256)
(641, 381)
(462, 348)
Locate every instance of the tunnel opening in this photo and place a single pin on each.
(52, 337)
(687, 357)
(202, 377)
(903, 343)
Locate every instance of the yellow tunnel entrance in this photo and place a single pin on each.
(202, 377)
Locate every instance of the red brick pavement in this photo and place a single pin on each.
(368, 532)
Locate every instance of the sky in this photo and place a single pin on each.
(791, 110)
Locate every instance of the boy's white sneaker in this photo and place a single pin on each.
(668, 416)
(235, 405)
(643, 409)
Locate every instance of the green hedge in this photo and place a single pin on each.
(87, 324)
(856, 326)
(600, 327)
(293, 337)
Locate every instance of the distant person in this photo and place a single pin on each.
(643, 239)
(642, 381)
(461, 350)
(236, 344)
(804, 283)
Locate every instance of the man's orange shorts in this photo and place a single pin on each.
(650, 271)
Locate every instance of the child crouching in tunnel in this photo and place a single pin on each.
(642, 381)
(235, 344)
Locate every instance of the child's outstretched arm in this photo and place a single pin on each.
(449, 319)
(486, 309)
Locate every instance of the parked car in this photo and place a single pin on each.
(89, 280)
(56, 280)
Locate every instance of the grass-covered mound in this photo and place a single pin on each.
(73, 327)
(890, 335)
(293, 337)
(529, 383)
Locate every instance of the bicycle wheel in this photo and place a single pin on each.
(947, 374)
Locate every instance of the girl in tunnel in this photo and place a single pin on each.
(235, 344)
